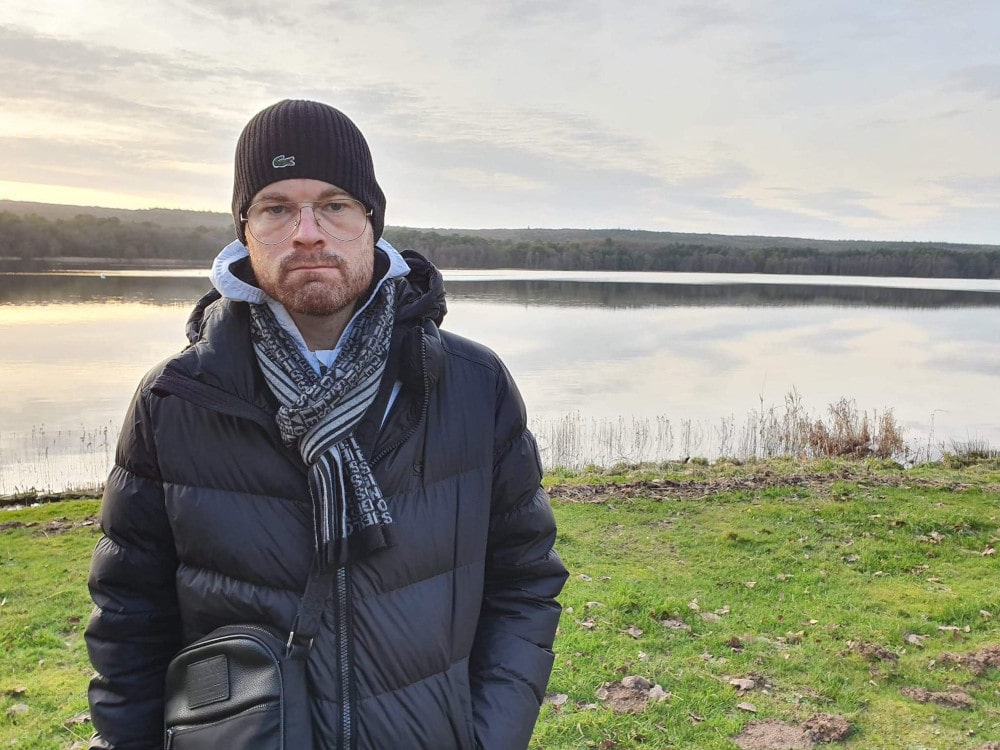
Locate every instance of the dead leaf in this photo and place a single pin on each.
(750, 584)
(989, 551)
(914, 640)
(589, 623)
(743, 684)
(584, 577)
(557, 699)
(591, 605)
(693, 604)
(710, 617)
(747, 707)
(675, 624)
(81, 718)
(633, 631)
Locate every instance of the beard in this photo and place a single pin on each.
(309, 292)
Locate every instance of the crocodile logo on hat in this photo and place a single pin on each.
(280, 161)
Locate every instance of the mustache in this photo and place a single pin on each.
(326, 258)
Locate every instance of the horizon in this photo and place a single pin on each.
(391, 225)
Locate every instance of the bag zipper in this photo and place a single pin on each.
(177, 729)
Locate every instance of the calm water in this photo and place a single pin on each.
(602, 353)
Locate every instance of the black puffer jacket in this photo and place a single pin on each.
(207, 521)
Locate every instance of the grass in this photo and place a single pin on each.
(832, 584)
(795, 580)
(44, 605)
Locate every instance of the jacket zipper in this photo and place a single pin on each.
(343, 656)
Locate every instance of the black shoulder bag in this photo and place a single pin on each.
(243, 687)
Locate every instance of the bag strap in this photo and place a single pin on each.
(319, 587)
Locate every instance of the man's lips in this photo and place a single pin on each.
(312, 267)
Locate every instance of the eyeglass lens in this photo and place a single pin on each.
(272, 222)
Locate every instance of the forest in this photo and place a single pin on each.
(37, 236)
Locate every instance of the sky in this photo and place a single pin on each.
(832, 120)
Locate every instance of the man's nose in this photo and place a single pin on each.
(308, 230)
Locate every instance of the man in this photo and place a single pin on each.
(320, 414)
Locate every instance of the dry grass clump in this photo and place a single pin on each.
(787, 430)
(848, 433)
(851, 434)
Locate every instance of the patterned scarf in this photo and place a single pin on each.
(319, 412)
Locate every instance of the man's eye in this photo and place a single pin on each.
(333, 207)
(278, 209)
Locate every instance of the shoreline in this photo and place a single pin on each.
(695, 478)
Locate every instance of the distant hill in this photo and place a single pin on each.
(165, 217)
(49, 234)
(649, 238)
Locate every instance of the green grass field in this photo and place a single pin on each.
(860, 593)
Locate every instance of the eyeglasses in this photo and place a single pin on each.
(273, 222)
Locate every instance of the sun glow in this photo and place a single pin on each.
(76, 196)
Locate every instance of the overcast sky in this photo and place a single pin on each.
(846, 119)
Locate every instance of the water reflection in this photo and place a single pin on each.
(168, 289)
(73, 348)
(614, 295)
(47, 289)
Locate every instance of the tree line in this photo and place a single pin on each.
(37, 241)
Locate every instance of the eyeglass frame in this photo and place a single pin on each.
(245, 218)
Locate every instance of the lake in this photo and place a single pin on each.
(612, 366)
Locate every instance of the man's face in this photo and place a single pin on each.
(311, 273)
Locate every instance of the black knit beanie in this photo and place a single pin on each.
(302, 139)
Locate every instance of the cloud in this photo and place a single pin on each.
(834, 202)
(979, 79)
(977, 187)
(685, 20)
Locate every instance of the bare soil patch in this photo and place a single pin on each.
(953, 697)
(631, 695)
(775, 734)
(827, 727)
(977, 662)
(55, 526)
(667, 489)
(872, 651)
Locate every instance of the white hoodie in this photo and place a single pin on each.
(232, 287)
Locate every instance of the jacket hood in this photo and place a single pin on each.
(421, 294)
